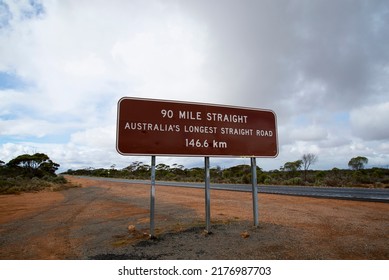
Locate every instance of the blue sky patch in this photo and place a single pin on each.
(5, 15)
(36, 10)
(47, 139)
(9, 81)
(342, 117)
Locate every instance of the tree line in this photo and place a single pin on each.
(26, 165)
(37, 170)
(291, 173)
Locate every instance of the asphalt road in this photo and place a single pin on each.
(363, 194)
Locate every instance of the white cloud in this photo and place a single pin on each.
(27, 127)
(309, 133)
(90, 66)
(97, 138)
(371, 122)
(166, 61)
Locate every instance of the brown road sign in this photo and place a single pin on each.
(159, 127)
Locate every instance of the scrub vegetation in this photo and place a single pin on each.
(37, 172)
(291, 173)
(30, 173)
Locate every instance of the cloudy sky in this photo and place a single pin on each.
(322, 66)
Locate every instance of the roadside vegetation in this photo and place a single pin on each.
(31, 173)
(291, 173)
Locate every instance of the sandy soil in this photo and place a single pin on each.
(109, 220)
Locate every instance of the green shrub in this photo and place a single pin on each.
(19, 184)
(268, 181)
(245, 179)
(293, 181)
(320, 175)
(261, 178)
(378, 185)
(55, 179)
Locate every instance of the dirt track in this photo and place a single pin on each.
(92, 223)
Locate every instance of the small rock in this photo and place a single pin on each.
(131, 228)
(245, 234)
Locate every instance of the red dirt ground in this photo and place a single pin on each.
(93, 222)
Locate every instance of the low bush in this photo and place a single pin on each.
(55, 179)
(20, 184)
(293, 181)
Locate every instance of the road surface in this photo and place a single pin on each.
(363, 194)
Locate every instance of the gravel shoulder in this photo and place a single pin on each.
(110, 220)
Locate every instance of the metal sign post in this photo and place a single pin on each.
(255, 190)
(207, 196)
(152, 197)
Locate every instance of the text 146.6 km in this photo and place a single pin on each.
(197, 143)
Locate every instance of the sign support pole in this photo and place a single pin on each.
(255, 190)
(207, 196)
(152, 198)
